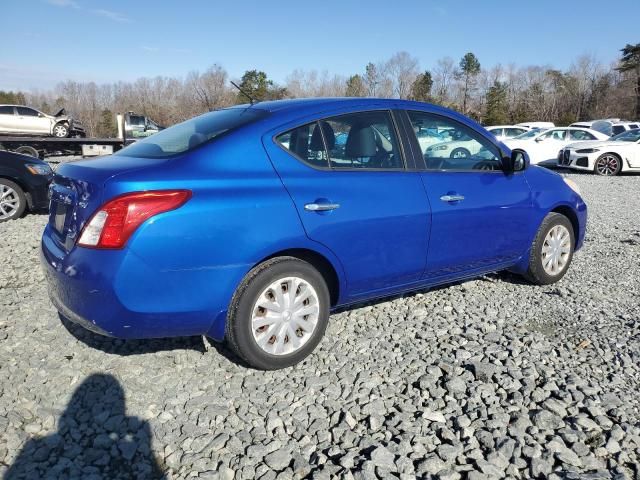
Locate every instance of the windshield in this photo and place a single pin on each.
(628, 136)
(188, 135)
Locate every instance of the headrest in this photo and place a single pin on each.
(316, 138)
(196, 139)
(361, 142)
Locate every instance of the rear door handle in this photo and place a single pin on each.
(321, 207)
(452, 198)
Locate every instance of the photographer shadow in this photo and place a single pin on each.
(95, 440)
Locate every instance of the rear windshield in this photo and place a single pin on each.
(188, 135)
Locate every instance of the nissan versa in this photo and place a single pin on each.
(250, 224)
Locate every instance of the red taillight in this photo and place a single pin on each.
(113, 224)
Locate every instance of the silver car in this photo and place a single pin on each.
(21, 120)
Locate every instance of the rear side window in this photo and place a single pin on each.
(188, 135)
(365, 140)
(4, 110)
(513, 132)
(616, 129)
(581, 135)
(306, 143)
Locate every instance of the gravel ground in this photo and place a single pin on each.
(490, 378)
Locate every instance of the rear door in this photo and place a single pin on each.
(7, 118)
(356, 196)
(480, 215)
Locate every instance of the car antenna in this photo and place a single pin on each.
(251, 99)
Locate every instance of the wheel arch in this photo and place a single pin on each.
(319, 262)
(573, 218)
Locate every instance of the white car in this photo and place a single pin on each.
(543, 146)
(618, 154)
(504, 132)
(458, 146)
(21, 120)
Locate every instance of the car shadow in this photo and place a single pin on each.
(95, 438)
(122, 347)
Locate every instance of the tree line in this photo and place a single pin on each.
(500, 94)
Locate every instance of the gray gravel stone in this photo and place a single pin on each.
(490, 378)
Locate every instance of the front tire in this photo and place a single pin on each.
(460, 152)
(61, 130)
(278, 314)
(552, 250)
(608, 164)
(12, 200)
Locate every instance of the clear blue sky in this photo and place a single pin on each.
(46, 41)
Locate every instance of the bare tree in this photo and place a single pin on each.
(401, 70)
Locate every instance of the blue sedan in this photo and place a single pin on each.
(251, 224)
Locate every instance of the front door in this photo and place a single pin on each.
(479, 214)
(346, 175)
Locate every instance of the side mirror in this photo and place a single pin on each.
(517, 162)
(41, 115)
(539, 139)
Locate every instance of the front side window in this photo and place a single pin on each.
(6, 110)
(27, 112)
(461, 147)
(365, 140)
(188, 135)
(581, 135)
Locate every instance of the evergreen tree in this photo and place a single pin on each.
(469, 70)
(355, 86)
(371, 79)
(630, 62)
(497, 108)
(421, 87)
(256, 84)
(107, 124)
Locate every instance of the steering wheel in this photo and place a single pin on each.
(484, 165)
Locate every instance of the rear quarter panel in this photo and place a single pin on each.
(194, 258)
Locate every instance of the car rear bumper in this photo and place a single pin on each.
(114, 293)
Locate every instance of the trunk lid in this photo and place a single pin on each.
(77, 192)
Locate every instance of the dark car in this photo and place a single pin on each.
(24, 184)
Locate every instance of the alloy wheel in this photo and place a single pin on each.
(556, 250)
(285, 316)
(9, 202)
(607, 165)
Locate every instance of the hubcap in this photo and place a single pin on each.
(556, 250)
(607, 165)
(60, 131)
(9, 201)
(285, 316)
(460, 154)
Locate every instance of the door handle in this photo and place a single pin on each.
(321, 207)
(452, 198)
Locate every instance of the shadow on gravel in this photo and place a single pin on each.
(138, 347)
(95, 439)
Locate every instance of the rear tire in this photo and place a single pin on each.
(13, 201)
(552, 250)
(291, 323)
